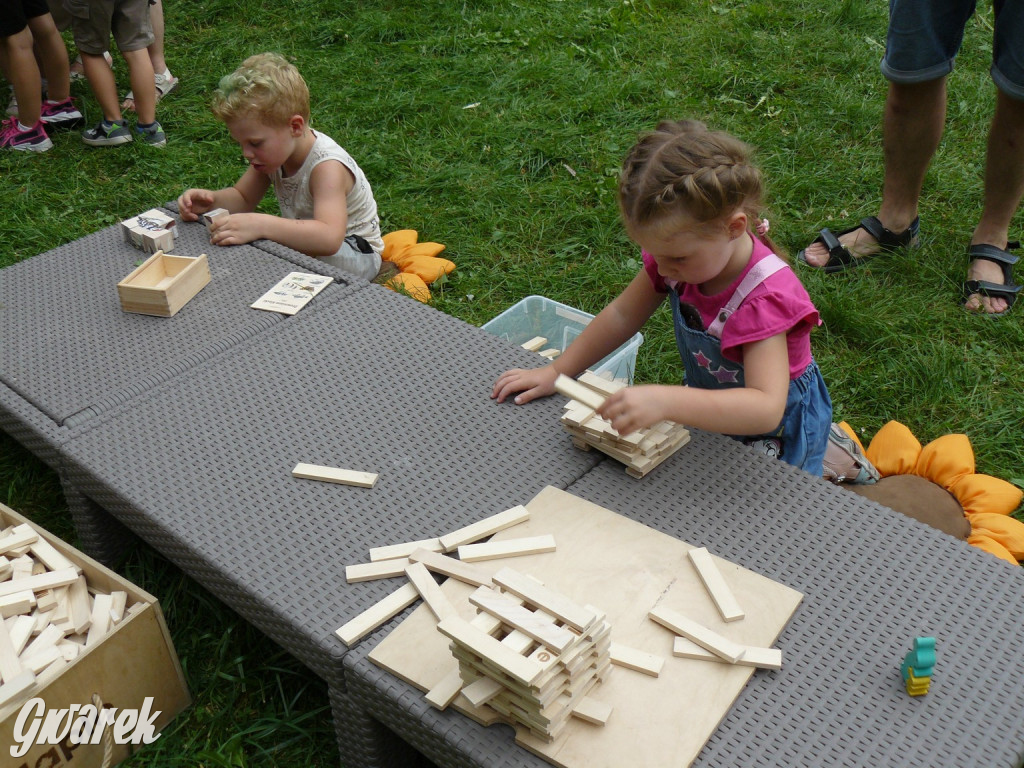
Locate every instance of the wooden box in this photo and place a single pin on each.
(151, 231)
(134, 660)
(163, 284)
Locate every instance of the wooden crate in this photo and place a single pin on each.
(163, 284)
(133, 660)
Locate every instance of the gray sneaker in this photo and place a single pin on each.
(152, 134)
(107, 134)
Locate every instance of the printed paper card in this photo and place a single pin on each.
(292, 293)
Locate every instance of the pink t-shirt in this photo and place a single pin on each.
(779, 304)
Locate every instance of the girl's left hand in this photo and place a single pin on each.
(634, 408)
(235, 229)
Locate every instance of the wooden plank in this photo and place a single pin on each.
(118, 601)
(20, 630)
(493, 550)
(16, 687)
(541, 629)
(534, 344)
(383, 569)
(638, 661)
(373, 617)
(79, 605)
(335, 475)
(576, 391)
(486, 647)
(484, 528)
(719, 591)
(600, 384)
(553, 602)
(392, 551)
(431, 593)
(481, 691)
(17, 603)
(10, 664)
(444, 693)
(592, 710)
(100, 619)
(449, 566)
(762, 658)
(698, 633)
(43, 581)
(47, 554)
(20, 536)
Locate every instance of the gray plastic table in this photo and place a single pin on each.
(873, 580)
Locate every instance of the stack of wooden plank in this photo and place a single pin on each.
(640, 451)
(48, 614)
(531, 654)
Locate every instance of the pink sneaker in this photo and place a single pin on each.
(63, 114)
(32, 140)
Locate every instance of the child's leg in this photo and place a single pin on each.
(54, 56)
(143, 88)
(156, 49)
(23, 73)
(101, 80)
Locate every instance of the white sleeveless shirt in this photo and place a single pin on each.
(296, 202)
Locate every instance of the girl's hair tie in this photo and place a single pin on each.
(762, 227)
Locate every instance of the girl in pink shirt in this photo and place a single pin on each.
(689, 198)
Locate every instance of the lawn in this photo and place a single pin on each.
(497, 128)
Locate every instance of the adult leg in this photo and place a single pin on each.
(915, 114)
(1004, 188)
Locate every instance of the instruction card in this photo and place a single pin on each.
(292, 293)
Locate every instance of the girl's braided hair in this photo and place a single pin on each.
(681, 167)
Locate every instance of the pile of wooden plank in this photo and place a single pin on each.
(640, 451)
(531, 654)
(48, 614)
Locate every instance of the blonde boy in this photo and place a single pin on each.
(327, 206)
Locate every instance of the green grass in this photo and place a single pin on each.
(497, 129)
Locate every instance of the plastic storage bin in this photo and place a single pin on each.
(560, 324)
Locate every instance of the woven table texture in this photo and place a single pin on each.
(67, 348)
(872, 579)
(201, 466)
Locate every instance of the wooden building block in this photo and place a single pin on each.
(118, 600)
(335, 475)
(16, 687)
(79, 605)
(540, 628)
(18, 537)
(449, 566)
(431, 593)
(391, 551)
(719, 591)
(100, 623)
(638, 661)
(600, 383)
(5, 568)
(46, 600)
(698, 633)
(22, 567)
(491, 650)
(69, 650)
(383, 569)
(534, 344)
(210, 217)
(47, 554)
(444, 693)
(40, 660)
(551, 353)
(47, 580)
(20, 630)
(10, 664)
(762, 658)
(576, 391)
(150, 231)
(484, 528)
(492, 550)
(553, 602)
(17, 603)
(481, 691)
(592, 710)
(377, 614)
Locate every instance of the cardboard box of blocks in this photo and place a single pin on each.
(151, 231)
(77, 630)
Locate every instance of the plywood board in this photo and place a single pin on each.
(624, 569)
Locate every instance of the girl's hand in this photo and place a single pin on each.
(533, 383)
(193, 202)
(235, 229)
(636, 408)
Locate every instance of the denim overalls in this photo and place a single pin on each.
(801, 437)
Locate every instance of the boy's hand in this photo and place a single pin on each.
(635, 408)
(194, 202)
(533, 383)
(235, 229)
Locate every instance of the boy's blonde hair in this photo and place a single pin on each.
(684, 168)
(266, 86)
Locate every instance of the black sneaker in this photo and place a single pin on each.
(107, 134)
(152, 134)
(63, 114)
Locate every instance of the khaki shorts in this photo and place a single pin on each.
(93, 21)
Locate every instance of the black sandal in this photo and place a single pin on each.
(839, 256)
(1007, 289)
